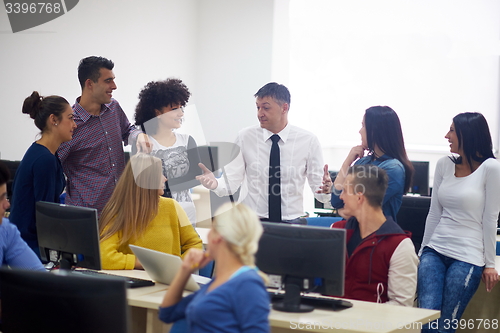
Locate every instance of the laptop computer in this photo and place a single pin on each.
(162, 267)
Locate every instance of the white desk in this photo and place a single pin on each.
(362, 317)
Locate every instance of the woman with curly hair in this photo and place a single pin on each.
(160, 111)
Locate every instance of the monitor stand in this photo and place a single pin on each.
(66, 262)
(291, 300)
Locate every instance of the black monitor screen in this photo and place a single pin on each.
(65, 302)
(420, 181)
(303, 252)
(68, 235)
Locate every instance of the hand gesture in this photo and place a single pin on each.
(195, 259)
(355, 153)
(143, 144)
(326, 188)
(207, 179)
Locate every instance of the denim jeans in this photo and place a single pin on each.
(448, 285)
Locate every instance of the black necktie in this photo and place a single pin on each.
(274, 181)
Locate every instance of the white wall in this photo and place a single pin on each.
(220, 48)
(233, 61)
(428, 59)
(146, 42)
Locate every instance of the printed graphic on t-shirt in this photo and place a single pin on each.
(175, 164)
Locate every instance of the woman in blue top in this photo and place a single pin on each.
(382, 137)
(40, 175)
(236, 299)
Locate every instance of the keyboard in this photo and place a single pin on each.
(334, 303)
(130, 281)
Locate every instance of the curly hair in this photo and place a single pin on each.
(158, 94)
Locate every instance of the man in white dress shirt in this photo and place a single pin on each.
(300, 157)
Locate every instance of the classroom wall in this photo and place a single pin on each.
(234, 58)
(428, 60)
(221, 49)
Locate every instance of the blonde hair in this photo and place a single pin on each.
(134, 202)
(241, 229)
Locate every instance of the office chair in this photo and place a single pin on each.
(412, 216)
(325, 221)
(208, 270)
(47, 302)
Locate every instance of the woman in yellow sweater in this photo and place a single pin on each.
(137, 214)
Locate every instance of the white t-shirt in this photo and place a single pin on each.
(176, 164)
(462, 220)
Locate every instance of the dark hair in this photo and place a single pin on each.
(40, 108)
(4, 174)
(156, 95)
(89, 68)
(371, 180)
(383, 130)
(474, 137)
(277, 91)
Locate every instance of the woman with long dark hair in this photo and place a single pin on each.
(382, 139)
(459, 242)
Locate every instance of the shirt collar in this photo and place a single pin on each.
(266, 134)
(83, 114)
(381, 159)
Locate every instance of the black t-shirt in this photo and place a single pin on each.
(354, 241)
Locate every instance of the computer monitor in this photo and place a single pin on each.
(47, 302)
(68, 235)
(299, 253)
(209, 156)
(420, 181)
